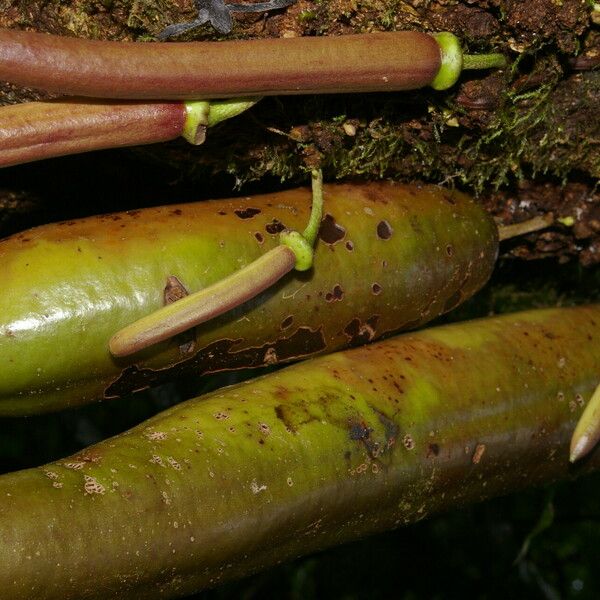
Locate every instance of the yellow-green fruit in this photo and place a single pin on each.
(388, 257)
(314, 455)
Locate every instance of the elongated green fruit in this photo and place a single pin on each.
(37, 130)
(390, 257)
(320, 453)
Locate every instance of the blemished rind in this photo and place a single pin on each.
(38, 130)
(389, 257)
(314, 455)
(377, 62)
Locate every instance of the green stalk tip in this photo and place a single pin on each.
(302, 243)
(201, 114)
(452, 61)
(221, 110)
(196, 121)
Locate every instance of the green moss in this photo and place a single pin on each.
(539, 131)
(542, 131)
(307, 15)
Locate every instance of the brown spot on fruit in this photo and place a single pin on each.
(287, 322)
(384, 230)
(336, 295)
(92, 486)
(376, 288)
(450, 250)
(433, 450)
(360, 431)
(361, 333)
(330, 231)
(264, 428)
(270, 357)
(174, 290)
(408, 442)
(219, 357)
(352, 328)
(349, 246)
(274, 227)
(247, 213)
(259, 237)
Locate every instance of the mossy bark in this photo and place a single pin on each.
(526, 139)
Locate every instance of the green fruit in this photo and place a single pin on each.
(311, 456)
(389, 257)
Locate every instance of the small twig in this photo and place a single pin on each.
(506, 232)
(218, 14)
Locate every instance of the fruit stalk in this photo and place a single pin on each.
(295, 251)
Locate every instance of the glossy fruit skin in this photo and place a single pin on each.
(389, 257)
(314, 455)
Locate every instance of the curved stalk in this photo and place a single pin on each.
(207, 304)
(506, 232)
(294, 251)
